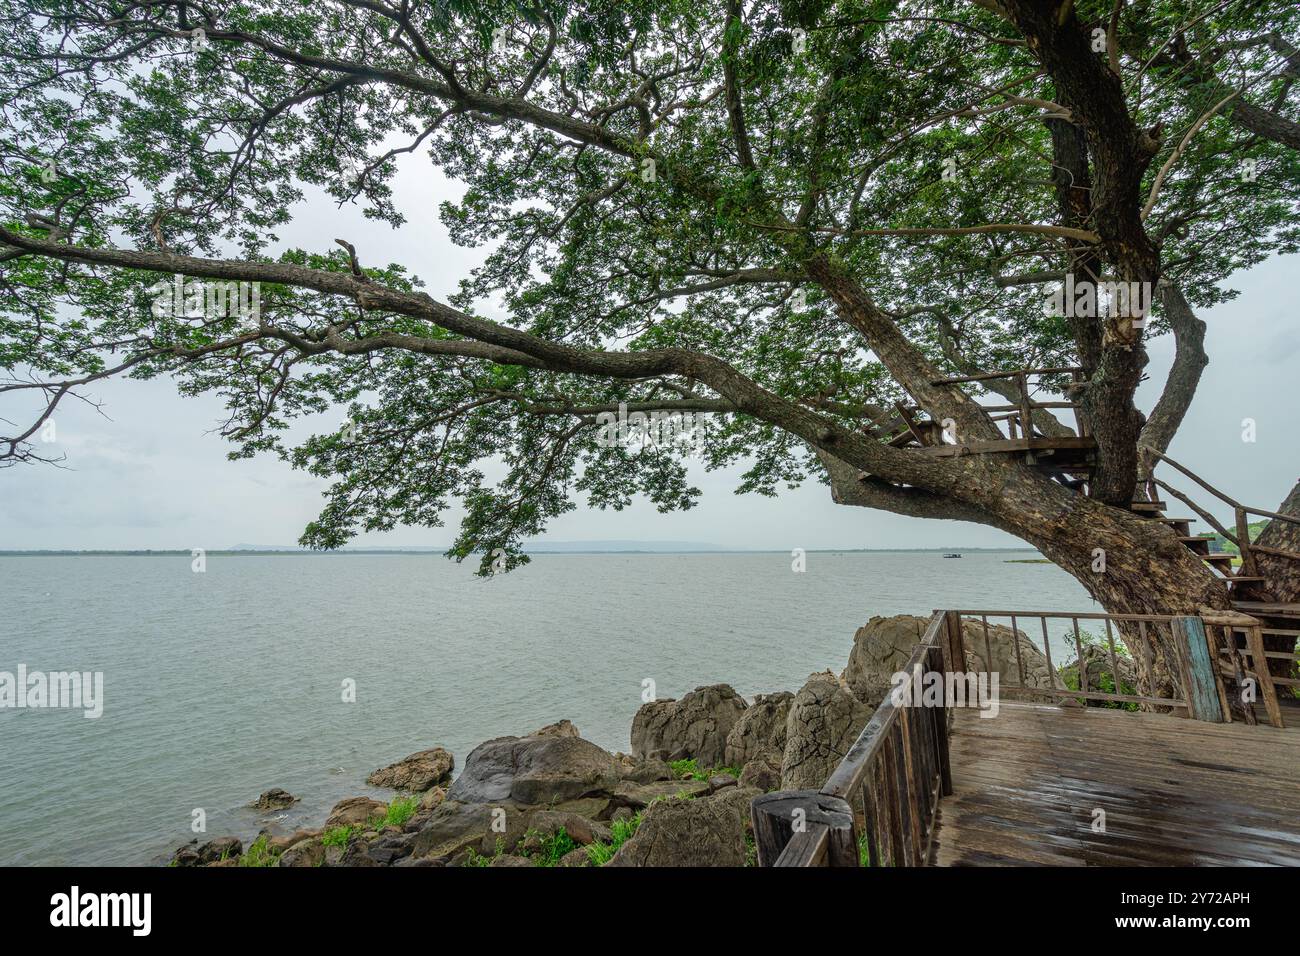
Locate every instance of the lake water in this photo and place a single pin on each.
(220, 685)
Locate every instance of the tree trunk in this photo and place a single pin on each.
(1283, 574)
(1129, 564)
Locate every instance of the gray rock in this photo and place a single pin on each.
(760, 729)
(641, 795)
(645, 770)
(695, 726)
(221, 848)
(763, 772)
(561, 728)
(416, 773)
(686, 833)
(187, 855)
(511, 860)
(274, 799)
(720, 780)
(581, 830)
(453, 827)
(575, 858)
(534, 771)
(304, 853)
(824, 721)
(282, 843)
(740, 798)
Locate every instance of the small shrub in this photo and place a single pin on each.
(620, 832)
(398, 812)
(336, 836)
(260, 853)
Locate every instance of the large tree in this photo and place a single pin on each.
(788, 216)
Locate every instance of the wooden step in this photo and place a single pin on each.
(1200, 545)
(1170, 520)
(1221, 556)
(1148, 506)
(1267, 608)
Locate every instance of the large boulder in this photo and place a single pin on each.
(687, 833)
(760, 729)
(695, 726)
(883, 646)
(418, 772)
(825, 719)
(534, 770)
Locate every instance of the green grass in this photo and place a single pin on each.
(864, 854)
(554, 847)
(260, 853)
(688, 770)
(398, 812)
(478, 859)
(337, 836)
(620, 832)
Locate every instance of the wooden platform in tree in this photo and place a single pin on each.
(1175, 792)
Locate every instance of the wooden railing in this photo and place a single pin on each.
(891, 780)
(879, 806)
(1240, 536)
(1164, 628)
(1019, 417)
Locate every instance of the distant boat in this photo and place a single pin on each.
(952, 555)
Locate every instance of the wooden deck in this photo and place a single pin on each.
(1175, 792)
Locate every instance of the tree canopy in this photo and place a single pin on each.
(785, 216)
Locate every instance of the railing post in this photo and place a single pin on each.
(781, 817)
(954, 645)
(1248, 566)
(1201, 669)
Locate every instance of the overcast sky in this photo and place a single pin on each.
(154, 475)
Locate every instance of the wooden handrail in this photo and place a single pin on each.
(882, 799)
(1241, 538)
(1236, 505)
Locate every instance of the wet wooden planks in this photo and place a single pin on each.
(1028, 785)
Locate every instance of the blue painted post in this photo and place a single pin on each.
(1203, 689)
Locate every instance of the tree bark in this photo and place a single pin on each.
(1129, 564)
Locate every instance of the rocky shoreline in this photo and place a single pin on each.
(552, 798)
